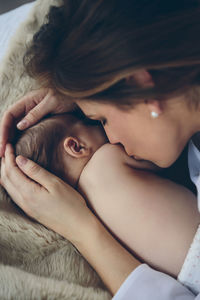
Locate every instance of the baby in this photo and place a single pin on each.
(62, 144)
(154, 218)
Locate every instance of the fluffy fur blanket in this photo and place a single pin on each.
(36, 263)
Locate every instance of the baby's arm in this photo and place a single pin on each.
(154, 218)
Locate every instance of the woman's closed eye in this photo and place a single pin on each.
(103, 121)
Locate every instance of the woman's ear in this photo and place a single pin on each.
(144, 79)
(141, 77)
(75, 148)
(154, 107)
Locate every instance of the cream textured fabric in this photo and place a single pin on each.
(36, 263)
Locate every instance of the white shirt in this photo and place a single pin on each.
(145, 283)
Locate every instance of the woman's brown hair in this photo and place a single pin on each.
(87, 48)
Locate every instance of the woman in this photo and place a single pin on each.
(137, 70)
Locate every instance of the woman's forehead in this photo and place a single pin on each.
(94, 108)
(107, 110)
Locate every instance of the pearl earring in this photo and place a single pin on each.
(154, 114)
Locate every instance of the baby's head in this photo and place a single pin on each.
(62, 144)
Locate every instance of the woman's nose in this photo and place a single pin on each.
(112, 138)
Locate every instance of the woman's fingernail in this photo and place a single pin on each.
(23, 124)
(21, 160)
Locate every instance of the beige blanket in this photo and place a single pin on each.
(36, 263)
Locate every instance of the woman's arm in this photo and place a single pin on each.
(111, 261)
(68, 215)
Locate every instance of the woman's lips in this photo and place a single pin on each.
(137, 158)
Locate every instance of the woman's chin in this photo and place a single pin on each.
(165, 163)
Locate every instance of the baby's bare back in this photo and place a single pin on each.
(155, 218)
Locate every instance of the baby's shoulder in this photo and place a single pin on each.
(109, 153)
(116, 156)
(104, 164)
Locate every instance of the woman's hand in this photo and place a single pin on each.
(44, 197)
(29, 110)
(59, 207)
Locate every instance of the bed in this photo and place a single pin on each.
(35, 263)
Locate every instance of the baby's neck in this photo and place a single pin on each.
(89, 173)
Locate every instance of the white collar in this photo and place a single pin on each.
(194, 167)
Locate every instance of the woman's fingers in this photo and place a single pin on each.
(36, 173)
(6, 130)
(10, 188)
(10, 118)
(15, 113)
(15, 182)
(22, 189)
(44, 103)
(29, 110)
(66, 207)
(10, 173)
(8, 123)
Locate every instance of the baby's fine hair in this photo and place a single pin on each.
(42, 142)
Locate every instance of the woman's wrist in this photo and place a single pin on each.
(111, 261)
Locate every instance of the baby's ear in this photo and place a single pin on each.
(75, 148)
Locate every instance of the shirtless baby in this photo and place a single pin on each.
(154, 218)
